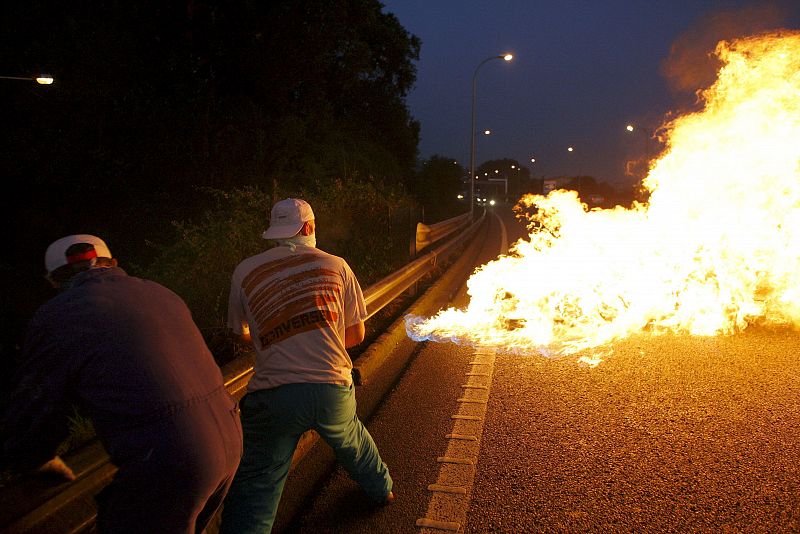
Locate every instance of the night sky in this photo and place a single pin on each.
(582, 71)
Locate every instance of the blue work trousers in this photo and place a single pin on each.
(273, 421)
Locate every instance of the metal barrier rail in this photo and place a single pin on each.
(68, 507)
(430, 233)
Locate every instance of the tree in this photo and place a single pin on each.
(154, 100)
(321, 83)
(437, 183)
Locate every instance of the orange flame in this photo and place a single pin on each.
(715, 248)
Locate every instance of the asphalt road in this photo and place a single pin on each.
(668, 434)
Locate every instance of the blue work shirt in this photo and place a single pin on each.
(124, 349)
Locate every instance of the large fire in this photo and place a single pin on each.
(715, 248)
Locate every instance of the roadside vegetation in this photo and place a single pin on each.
(170, 131)
(369, 226)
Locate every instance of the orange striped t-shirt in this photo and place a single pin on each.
(297, 305)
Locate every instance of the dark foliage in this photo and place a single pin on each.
(435, 186)
(155, 100)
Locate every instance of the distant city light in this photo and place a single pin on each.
(629, 127)
(487, 132)
(570, 149)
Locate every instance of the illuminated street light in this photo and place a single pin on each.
(506, 57)
(42, 79)
(533, 160)
(487, 132)
(571, 149)
(645, 148)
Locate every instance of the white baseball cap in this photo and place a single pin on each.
(287, 218)
(56, 254)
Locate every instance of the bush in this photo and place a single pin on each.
(369, 226)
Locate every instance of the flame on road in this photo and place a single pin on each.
(713, 250)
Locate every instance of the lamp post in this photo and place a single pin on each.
(571, 150)
(633, 166)
(42, 79)
(633, 130)
(506, 57)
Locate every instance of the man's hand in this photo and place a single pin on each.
(57, 467)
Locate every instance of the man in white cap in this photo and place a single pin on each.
(302, 308)
(127, 353)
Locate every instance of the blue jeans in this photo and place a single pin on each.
(273, 421)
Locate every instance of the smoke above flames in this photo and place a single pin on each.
(692, 63)
(715, 248)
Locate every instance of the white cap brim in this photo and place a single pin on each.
(55, 255)
(283, 231)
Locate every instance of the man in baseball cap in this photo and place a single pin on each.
(126, 352)
(287, 218)
(74, 253)
(303, 308)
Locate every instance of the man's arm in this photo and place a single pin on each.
(57, 467)
(355, 309)
(238, 327)
(353, 335)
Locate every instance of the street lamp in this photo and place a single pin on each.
(42, 79)
(578, 169)
(506, 57)
(634, 131)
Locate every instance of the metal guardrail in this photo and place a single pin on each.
(430, 233)
(91, 464)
